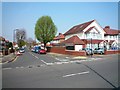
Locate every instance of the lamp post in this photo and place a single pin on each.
(91, 47)
(14, 36)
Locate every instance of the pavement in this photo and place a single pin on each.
(7, 58)
(32, 70)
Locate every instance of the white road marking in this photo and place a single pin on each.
(6, 68)
(42, 65)
(21, 67)
(69, 75)
(33, 55)
(17, 67)
(58, 63)
(44, 62)
(49, 63)
(36, 57)
(58, 59)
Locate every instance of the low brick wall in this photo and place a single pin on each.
(77, 53)
(62, 50)
(112, 52)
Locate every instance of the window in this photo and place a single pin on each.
(70, 48)
(119, 36)
(110, 37)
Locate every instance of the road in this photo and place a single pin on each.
(32, 70)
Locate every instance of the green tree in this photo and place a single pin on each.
(45, 30)
(10, 45)
(21, 43)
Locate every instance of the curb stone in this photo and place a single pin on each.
(12, 59)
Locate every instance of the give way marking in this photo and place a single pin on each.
(69, 75)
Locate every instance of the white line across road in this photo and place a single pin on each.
(69, 75)
(6, 68)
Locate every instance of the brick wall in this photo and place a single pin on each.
(62, 50)
(112, 52)
(77, 53)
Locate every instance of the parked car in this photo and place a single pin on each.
(37, 49)
(21, 50)
(18, 53)
(99, 51)
(33, 49)
(95, 50)
(89, 51)
(42, 51)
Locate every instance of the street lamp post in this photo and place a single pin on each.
(14, 37)
(91, 47)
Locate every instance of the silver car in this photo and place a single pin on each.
(89, 51)
(101, 51)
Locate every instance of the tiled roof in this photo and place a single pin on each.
(111, 41)
(78, 28)
(60, 36)
(111, 31)
(74, 40)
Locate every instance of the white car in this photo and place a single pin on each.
(21, 50)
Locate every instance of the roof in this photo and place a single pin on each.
(111, 31)
(74, 40)
(78, 28)
(111, 41)
(60, 36)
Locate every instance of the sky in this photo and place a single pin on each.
(17, 15)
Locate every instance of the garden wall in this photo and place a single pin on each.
(62, 50)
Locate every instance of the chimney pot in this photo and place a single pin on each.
(107, 27)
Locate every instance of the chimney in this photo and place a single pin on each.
(60, 33)
(107, 27)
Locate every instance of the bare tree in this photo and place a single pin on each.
(21, 34)
(21, 37)
(30, 42)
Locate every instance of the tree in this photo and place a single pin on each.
(21, 43)
(20, 34)
(10, 45)
(30, 42)
(21, 37)
(45, 30)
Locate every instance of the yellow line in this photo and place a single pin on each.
(15, 59)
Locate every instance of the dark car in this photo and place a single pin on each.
(37, 49)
